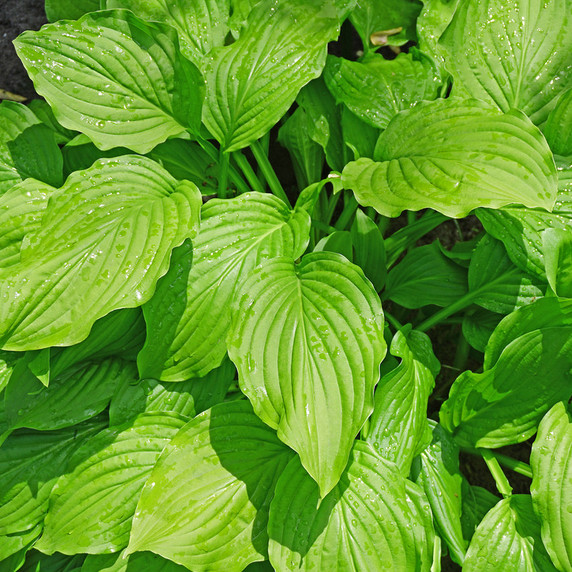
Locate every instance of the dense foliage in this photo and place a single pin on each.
(199, 226)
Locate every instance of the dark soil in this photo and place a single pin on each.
(15, 17)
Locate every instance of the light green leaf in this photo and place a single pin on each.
(44, 113)
(558, 127)
(544, 313)
(307, 342)
(515, 55)
(137, 90)
(281, 49)
(371, 16)
(307, 155)
(111, 227)
(7, 362)
(91, 508)
(39, 365)
(425, 276)
(70, 398)
(13, 548)
(28, 149)
(367, 522)
(398, 423)
(138, 562)
(187, 398)
(504, 404)
(495, 283)
(69, 9)
(30, 464)
(214, 484)
(551, 487)
(201, 24)
(436, 470)
(21, 210)
(520, 229)
(453, 156)
(376, 89)
(188, 318)
(339, 241)
(557, 244)
(508, 538)
(359, 136)
(369, 249)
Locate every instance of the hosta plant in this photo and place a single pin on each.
(230, 337)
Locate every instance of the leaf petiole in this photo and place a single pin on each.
(268, 172)
(501, 481)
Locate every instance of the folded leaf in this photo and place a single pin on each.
(188, 318)
(551, 487)
(92, 507)
(70, 9)
(504, 404)
(367, 522)
(398, 424)
(454, 155)
(307, 342)
(119, 80)
(214, 484)
(138, 562)
(516, 55)
(508, 538)
(376, 89)
(476, 502)
(520, 229)
(558, 127)
(281, 49)
(106, 238)
(557, 245)
(369, 249)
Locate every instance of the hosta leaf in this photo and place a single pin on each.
(504, 404)
(544, 313)
(112, 228)
(138, 562)
(70, 9)
(508, 538)
(339, 241)
(551, 487)
(495, 283)
(91, 508)
(70, 398)
(425, 276)
(478, 327)
(187, 398)
(189, 316)
(44, 113)
(455, 155)
(516, 55)
(307, 156)
(359, 136)
(214, 484)
(437, 471)
(13, 548)
(365, 523)
(39, 562)
(520, 229)
(558, 128)
(307, 342)
(28, 149)
(21, 210)
(369, 249)
(30, 464)
(398, 423)
(557, 245)
(376, 89)
(137, 90)
(280, 50)
(202, 25)
(7, 362)
(476, 502)
(370, 16)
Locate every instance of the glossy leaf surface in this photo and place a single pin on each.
(136, 88)
(307, 342)
(111, 227)
(453, 156)
(214, 483)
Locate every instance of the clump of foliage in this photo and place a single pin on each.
(196, 371)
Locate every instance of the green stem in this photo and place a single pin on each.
(365, 429)
(268, 172)
(513, 464)
(332, 204)
(393, 321)
(461, 353)
(243, 164)
(350, 207)
(224, 164)
(444, 313)
(322, 226)
(501, 481)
